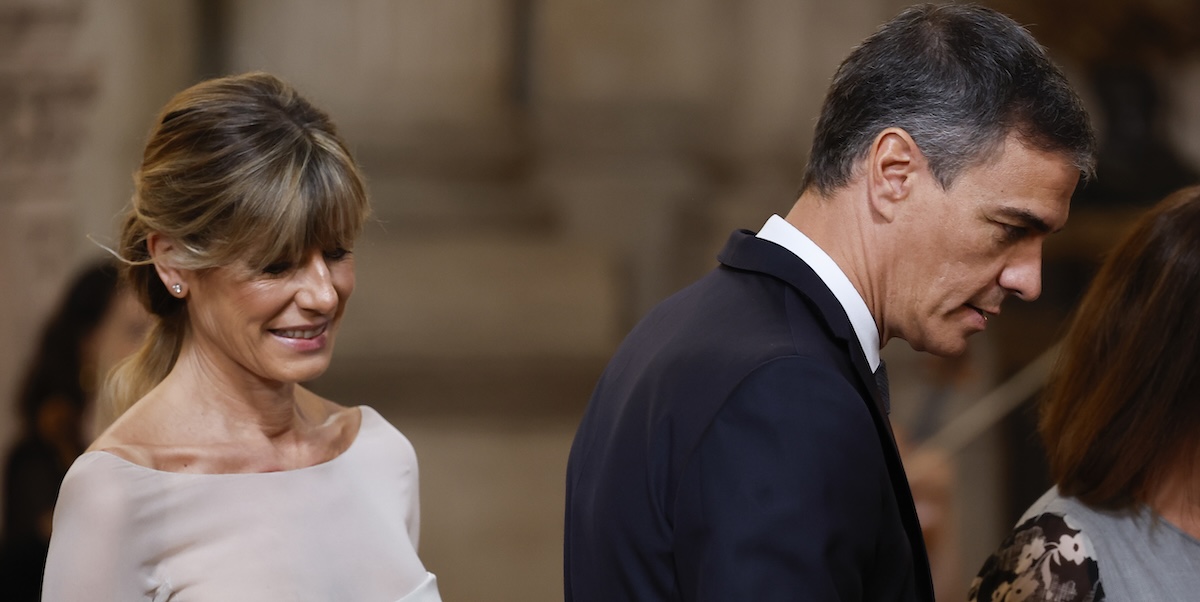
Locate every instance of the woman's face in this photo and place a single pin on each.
(274, 326)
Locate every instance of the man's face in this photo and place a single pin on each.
(963, 250)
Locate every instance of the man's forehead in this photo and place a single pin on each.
(1028, 185)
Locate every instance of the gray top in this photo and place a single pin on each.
(1141, 558)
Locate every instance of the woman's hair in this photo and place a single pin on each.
(1121, 411)
(57, 366)
(237, 169)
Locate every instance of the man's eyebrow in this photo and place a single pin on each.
(1026, 219)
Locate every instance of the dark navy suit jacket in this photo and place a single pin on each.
(736, 449)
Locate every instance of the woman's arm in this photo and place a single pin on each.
(1045, 558)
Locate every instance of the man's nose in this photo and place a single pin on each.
(1022, 276)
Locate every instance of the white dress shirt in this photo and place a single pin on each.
(782, 233)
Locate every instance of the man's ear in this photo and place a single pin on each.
(162, 251)
(892, 164)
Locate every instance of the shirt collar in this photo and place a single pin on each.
(784, 234)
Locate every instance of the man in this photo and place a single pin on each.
(737, 447)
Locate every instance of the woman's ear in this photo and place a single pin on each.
(162, 252)
(892, 163)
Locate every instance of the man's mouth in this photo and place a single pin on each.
(985, 314)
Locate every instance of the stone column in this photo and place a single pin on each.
(782, 55)
(420, 89)
(621, 93)
(45, 92)
(143, 52)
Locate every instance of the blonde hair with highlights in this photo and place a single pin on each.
(238, 168)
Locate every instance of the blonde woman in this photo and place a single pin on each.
(223, 478)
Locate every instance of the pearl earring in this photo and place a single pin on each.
(177, 288)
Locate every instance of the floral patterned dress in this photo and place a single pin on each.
(1046, 558)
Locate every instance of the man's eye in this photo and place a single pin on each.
(1013, 233)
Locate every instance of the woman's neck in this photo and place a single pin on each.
(210, 421)
(1177, 500)
(238, 399)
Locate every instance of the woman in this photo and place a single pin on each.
(1121, 424)
(223, 478)
(96, 323)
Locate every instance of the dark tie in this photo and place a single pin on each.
(881, 381)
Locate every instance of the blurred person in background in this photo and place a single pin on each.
(222, 477)
(1121, 426)
(738, 445)
(96, 324)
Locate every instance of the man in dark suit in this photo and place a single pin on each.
(737, 447)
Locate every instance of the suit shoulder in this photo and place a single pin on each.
(803, 384)
(737, 311)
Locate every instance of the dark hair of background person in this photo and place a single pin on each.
(51, 402)
(56, 366)
(1120, 411)
(959, 79)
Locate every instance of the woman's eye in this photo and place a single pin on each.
(336, 254)
(277, 268)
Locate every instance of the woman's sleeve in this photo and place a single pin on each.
(1045, 558)
(413, 518)
(90, 553)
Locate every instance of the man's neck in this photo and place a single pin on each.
(842, 225)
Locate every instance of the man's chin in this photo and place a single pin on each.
(951, 346)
